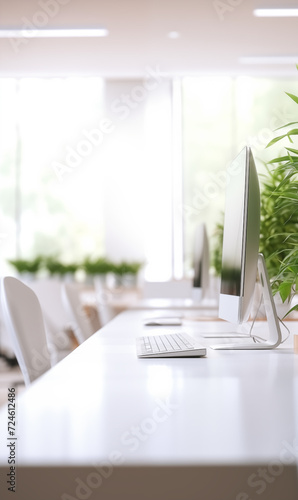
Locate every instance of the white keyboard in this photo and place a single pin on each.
(170, 345)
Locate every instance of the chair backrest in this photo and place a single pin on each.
(23, 319)
(72, 300)
(58, 320)
(105, 310)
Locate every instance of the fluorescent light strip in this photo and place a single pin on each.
(269, 60)
(278, 12)
(53, 33)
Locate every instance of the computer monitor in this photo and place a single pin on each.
(240, 239)
(240, 252)
(200, 263)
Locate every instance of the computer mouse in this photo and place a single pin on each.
(163, 322)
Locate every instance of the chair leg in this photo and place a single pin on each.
(11, 361)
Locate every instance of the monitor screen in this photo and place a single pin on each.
(240, 238)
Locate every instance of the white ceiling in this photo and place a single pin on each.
(214, 35)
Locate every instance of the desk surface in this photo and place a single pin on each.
(103, 421)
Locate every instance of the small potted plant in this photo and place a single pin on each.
(58, 269)
(98, 267)
(126, 273)
(27, 269)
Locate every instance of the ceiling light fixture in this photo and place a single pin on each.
(174, 34)
(276, 12)
(268, 60)
(53, 33)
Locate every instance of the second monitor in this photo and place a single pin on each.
(200, 263)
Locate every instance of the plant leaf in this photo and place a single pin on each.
(286, 125)
(276, 139)
(294, 308)
(278, 160)
(289, 195)
(292, 96)
(294, 131)
(285, 289)
(292, 150)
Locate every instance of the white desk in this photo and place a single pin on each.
(104, 424)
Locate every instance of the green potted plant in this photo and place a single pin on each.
(126, 273)
(274, 221)
(98, 267)
(277, 232)
(56, 268)
(279, 219)
(285, 198)
(27, 268)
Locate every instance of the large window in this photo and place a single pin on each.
(48, 205)
(85, 169)
(220, 115)
(126, 168)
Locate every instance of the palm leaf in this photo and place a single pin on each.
(292, 96)
(287, 125)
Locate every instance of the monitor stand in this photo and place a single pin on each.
(275, 337)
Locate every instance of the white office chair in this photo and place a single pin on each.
(104, 309)
(23, 319)
(57, 319)
(71, 297)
